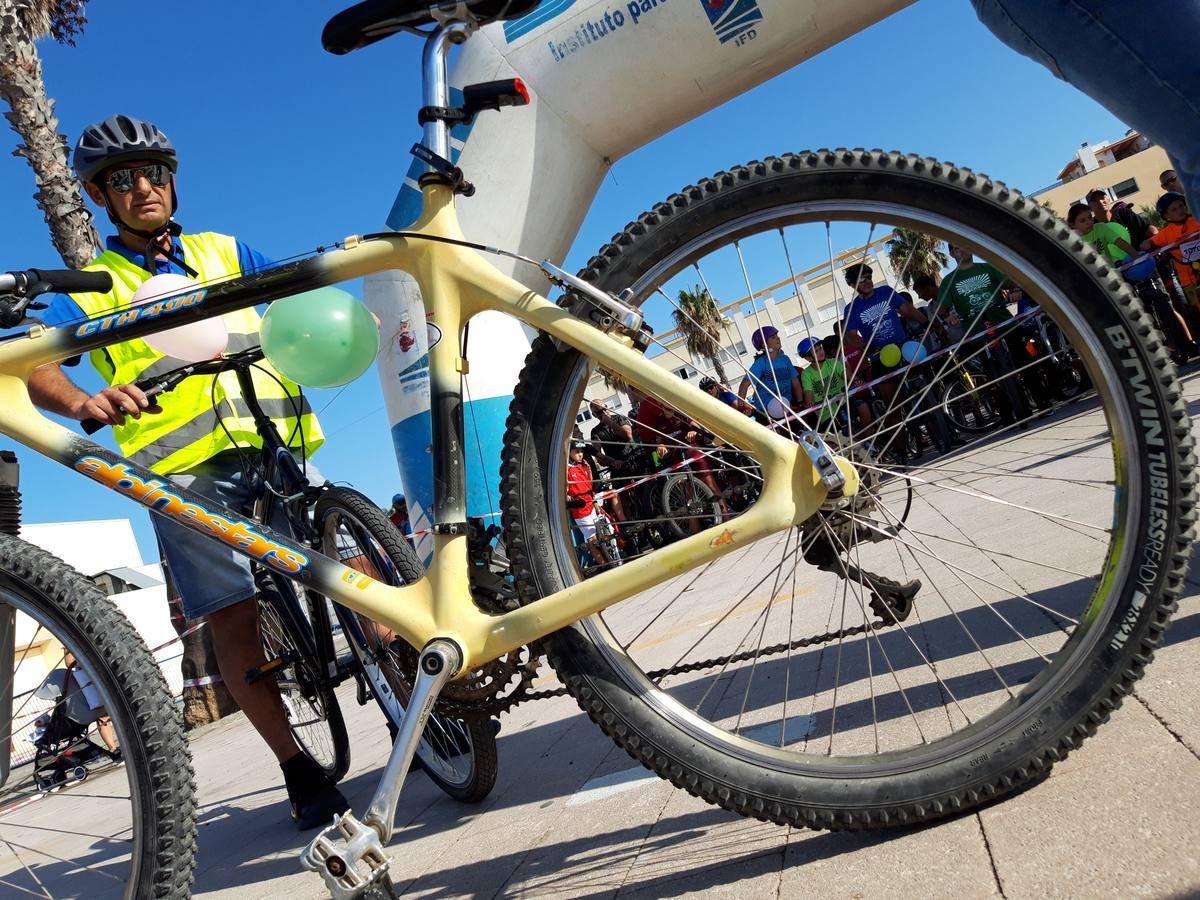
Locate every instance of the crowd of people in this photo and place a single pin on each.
(872, 377)
(1165, 283)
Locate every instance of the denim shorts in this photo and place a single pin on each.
(1137, 59)
(210, 575)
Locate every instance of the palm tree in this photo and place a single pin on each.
(913, 254)
(699, 321)
(31, 114)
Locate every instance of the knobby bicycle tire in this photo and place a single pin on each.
(1052, 712)
(150, 731)
(346, 520)
(964, 407)
(310, 703)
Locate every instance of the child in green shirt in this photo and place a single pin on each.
(824, 382)
(1110, 238)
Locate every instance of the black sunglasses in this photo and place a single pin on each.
(123, 180)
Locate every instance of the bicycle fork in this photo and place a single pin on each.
(349, 854)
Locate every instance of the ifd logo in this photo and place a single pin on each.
(733, 20)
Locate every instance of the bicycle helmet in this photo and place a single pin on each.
(707, 383)
(807, 345)
(120, 138)
(1164, 202)
(759, 338)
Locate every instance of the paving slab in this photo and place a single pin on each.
(574, 816)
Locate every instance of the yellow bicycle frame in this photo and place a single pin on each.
(456, 283)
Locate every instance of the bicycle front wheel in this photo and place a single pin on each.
(458, 754)
(131, 831)
(966, 407)
(309, 701)
(864, 668)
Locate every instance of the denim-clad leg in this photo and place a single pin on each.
(211, 575)
(1139, 60)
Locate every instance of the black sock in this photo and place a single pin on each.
(301, 774)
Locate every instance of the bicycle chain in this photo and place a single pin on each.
(658, 674)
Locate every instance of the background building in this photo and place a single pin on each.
(107, 552)
(1127, 168)
(808, 306)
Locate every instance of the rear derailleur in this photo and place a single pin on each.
(890, 600)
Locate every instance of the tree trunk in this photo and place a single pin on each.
(205, 696)
(715, 359)
(31, 114)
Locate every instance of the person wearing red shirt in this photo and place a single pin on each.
(581, 500)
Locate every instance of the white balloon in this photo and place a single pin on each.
(193, 343)
(776, 409)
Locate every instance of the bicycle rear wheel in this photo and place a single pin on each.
(131, 832)
(309, 701)
(459, 755)
(796, 679)
(967, 407)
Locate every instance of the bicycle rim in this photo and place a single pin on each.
(1025, 554)
(447, 749)
(72, 821)
(307, 702)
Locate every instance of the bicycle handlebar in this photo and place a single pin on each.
(17, 289)
(167, 381)
(63, 281)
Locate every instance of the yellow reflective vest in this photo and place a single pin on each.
(201, 417)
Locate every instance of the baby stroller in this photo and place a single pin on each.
(64, 749)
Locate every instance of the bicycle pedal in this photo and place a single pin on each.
(362, 693)
(267, 669)
(349, 856)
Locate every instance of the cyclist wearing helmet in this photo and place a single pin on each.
(824, 384)
(1180, 228)
(399, 515)
(715, 389)
(128, 167)
(772, 374)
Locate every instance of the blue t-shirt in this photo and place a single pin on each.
(63, 308)
(765, 383)
(882, 307)
(729, 398)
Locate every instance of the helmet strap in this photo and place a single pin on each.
(170, 229)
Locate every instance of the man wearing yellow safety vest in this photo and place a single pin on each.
(128, 167)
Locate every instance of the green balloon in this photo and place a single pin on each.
(890, 355)
(322, 338)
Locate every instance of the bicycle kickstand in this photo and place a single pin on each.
(349, 854)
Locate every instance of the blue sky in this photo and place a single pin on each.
(288, 147)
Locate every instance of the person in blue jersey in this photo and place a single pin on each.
(772, 375)
(878, 313)
(128, 168)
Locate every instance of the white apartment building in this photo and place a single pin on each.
(107, 552)
(808, 306)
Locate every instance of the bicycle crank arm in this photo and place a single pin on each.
(349, 854)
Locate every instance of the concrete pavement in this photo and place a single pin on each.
(573, 816)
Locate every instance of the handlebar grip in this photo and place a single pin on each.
(72, 281)
(151, 388)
